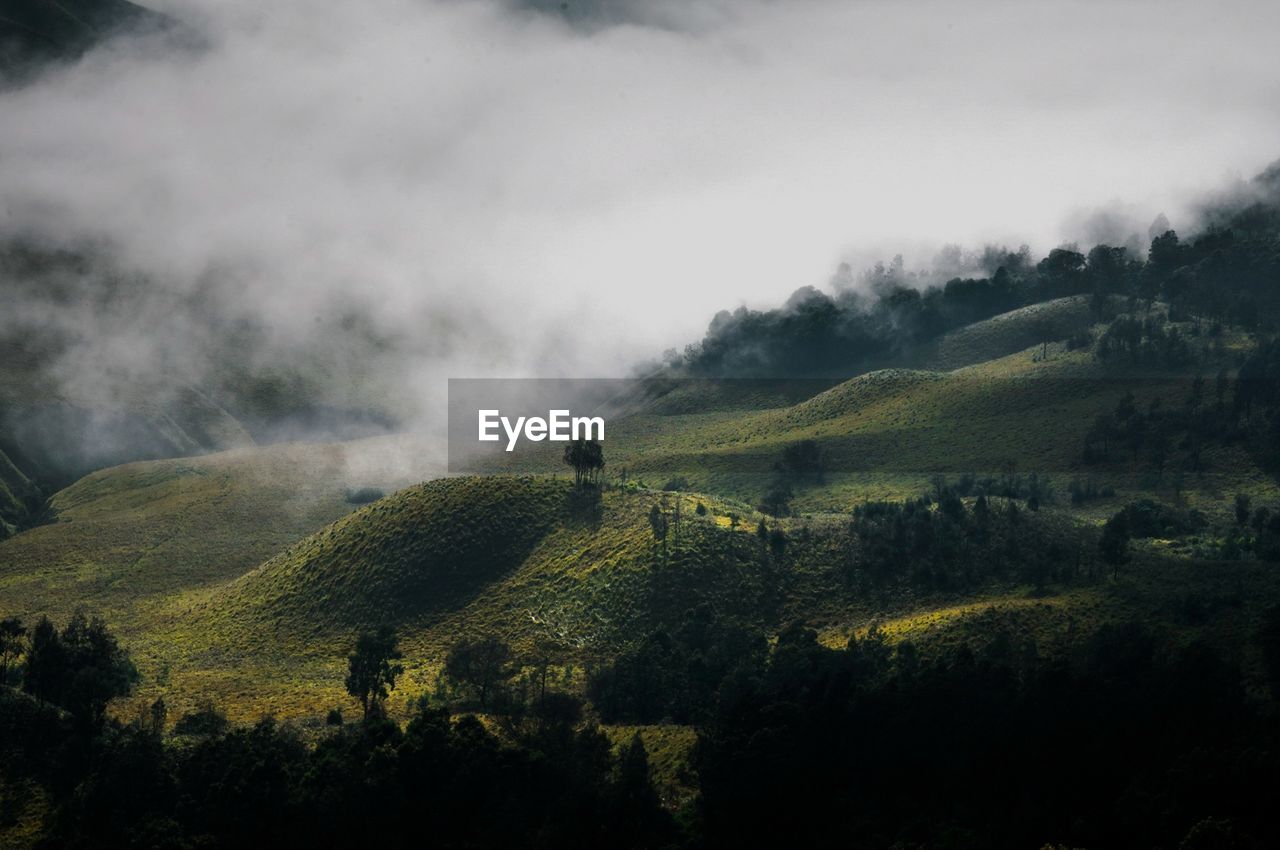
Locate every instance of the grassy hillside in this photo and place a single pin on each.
(520, 557)
(884, 432)
(402, 559)
(246, 575)
(517, 558)
(1011, 332)
(127, 536)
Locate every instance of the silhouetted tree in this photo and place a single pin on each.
(99, 669)
(480, 664)
(1114, 543)
(778, 542)
(81, 669)
(586, 457)
(372, 669)
(1242, 508)
(777, 501)
(658, 524)
(803, 462)
(207, 720)
(13, 641)
(46, 669)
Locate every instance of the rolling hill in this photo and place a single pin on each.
(125, 536)
(883, 433)
(1011, 332)
(246, 574)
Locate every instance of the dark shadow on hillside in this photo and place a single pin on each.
(583, 506)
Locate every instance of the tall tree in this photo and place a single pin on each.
(480, 664)
(13, 640)
(586, 457)
(46, 672)
(99, 669)
(658, 523)
(372, 669)
(81, 669)
(1114, 543)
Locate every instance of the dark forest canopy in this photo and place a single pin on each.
(1227, 270)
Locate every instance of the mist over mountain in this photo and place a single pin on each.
(890, 315)
(939, 348)
(35, 34)
(301, 220)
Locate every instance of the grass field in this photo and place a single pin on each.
(884, 433)
(126, 537)
(243, 576)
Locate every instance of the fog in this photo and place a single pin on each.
(502, 189)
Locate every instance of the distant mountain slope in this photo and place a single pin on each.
(61, 438)
(126, 536)
(514, 557)
(102, 365)
(16, 494)
(884, 432)
(1011, 332)
(247, 573)
(33, 32)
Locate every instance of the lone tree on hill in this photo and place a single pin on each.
(658, 523)
(13, 640)
(482, 665)
(587, 459)
(1114, 543)
(372, 669)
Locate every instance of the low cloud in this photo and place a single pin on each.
(401, 191)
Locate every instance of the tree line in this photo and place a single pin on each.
(1164, 434)
(547, 777)
(1225, 273)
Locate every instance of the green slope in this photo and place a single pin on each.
(885, 432)
(226, 578)
(520, 556)
(400, 559)
(1011, 332)
(127, 536)
(515, 557)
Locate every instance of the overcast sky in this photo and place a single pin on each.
(569, 193)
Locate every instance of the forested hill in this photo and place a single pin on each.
(1226, 270)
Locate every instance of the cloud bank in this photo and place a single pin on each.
(493, 188)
